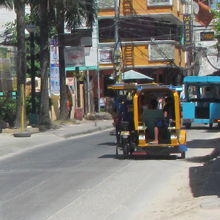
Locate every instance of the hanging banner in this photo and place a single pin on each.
(54, 68)
(203, 12)
(54, 80)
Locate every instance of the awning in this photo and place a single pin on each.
(134, 75)
(81, 68)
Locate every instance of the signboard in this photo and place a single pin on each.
(159, 2)
(159, 52)
(75, 39)
(105, 56)
(187, 20)
(207, 36)
(70, 81)
(74, 56)
(54, 54)
(103, 4)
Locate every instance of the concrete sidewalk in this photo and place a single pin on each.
(10, 145)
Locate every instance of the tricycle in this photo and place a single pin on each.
(149, 120)
(201, 104)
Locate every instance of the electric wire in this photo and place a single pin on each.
(212, 65)
(143, 23)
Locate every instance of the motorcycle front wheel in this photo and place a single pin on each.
(125, 147)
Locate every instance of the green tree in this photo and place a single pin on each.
(216, 22)
(10, 34)
(7, 3)
(19, 6)
(10, 38)
(59, 23)
(55, 12)
(21, 62)
(44, 59)
(58, 12)
(73, 13)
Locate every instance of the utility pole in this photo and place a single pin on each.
(117, 50)
(116, 22)
(88, 92)
(188, 36)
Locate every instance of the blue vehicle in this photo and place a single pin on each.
(201, 103)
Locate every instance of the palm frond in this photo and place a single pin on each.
(7, 3)
(80, 11)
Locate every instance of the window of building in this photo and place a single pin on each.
(138, 29)
(106, 30)
(144, 29)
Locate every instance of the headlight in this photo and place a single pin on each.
(125, 132)
(141, 137)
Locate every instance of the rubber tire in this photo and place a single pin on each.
(22, 134)
(210, 125)
(183, 155)
(117, 151)
(188, 125)
(125, 145)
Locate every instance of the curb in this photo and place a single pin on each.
(14, 130)
(68, 135)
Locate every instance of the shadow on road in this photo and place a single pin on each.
(205, 178)
(108, 144)
(205, 128)
(204, 143)
(140, 157)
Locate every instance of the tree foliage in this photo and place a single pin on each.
(216, 22)
(49, 16)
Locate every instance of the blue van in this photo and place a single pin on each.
(201, 103)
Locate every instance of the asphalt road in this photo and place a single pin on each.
(80, 178)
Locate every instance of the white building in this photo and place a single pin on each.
(206, 52)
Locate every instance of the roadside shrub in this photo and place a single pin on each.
(28, 104)
(7, 110)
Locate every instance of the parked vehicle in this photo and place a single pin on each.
(202, 100)
(137, 134)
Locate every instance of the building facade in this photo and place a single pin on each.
(206, 59)
(149, 34)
